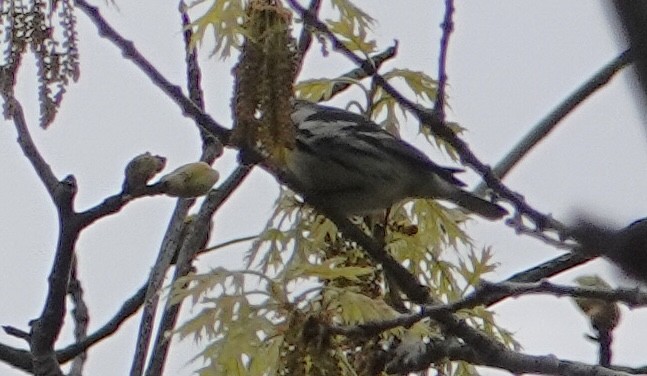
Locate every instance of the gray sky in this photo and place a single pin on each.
(510, 62)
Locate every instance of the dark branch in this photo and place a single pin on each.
(448, 27)
(193, 73)
(186, 254)
(81, 318)
(13, 110)
(407, 359)
(362, 72)
(547, 124)
(633, 18)
(436, 126)
(20, 359)
(168, 249)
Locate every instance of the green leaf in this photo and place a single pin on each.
(329, 270)
(225, 18)
(355, 308)
(350, 11)
(352, 27)
(422, 85)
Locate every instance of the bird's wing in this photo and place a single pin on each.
(329, 132)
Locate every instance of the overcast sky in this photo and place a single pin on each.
(510, 62)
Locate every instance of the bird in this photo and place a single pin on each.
(348, 163)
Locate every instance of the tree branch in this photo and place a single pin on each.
(45, 329)
(20, 359)
(305, 38)
(548, 123)
(362, 72)
(81, 318)
(169, 246)
(128, 309)
(186, 254)
(448, 27)
(414, 358)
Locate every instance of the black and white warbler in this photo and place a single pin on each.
(349, 164)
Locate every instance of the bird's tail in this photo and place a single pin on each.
(477, 205)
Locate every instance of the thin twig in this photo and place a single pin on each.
(228, 243)
(114, 203)
(13, 109)
(632, 297)
(81, 318)
(20, 359)
(548, 123)
(448, 27)
(15, 332)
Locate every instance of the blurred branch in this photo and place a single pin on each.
(604, 340)
(633, 18)
(194, 79)
(630, 370)
(448, 27)
(81, 318)
(15, 332)
(189, 108)
(547, 124)
(186, 254)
